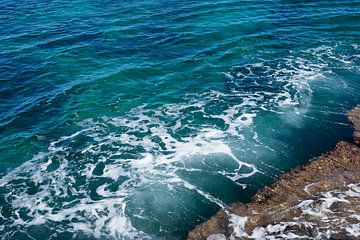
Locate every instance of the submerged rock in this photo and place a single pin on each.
(320, 200)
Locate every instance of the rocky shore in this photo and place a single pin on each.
(320, 200)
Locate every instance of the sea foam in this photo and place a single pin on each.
(85, 181)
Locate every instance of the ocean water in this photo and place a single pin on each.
(141, 119)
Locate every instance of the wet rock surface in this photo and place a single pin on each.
(354, 117)
(319, 200)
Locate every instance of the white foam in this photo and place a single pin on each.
(149, 146)
(237, 223)
(216, 237)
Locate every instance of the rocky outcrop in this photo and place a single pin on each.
(320, 200)
(354, 117)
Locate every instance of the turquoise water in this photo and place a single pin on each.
(141, 119)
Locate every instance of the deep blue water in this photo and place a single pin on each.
(141, 119)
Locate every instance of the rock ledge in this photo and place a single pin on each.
(319, 200)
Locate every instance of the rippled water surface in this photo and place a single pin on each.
(141, 119)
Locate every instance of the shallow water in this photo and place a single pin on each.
(141, 119)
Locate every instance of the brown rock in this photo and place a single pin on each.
(354, 117)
